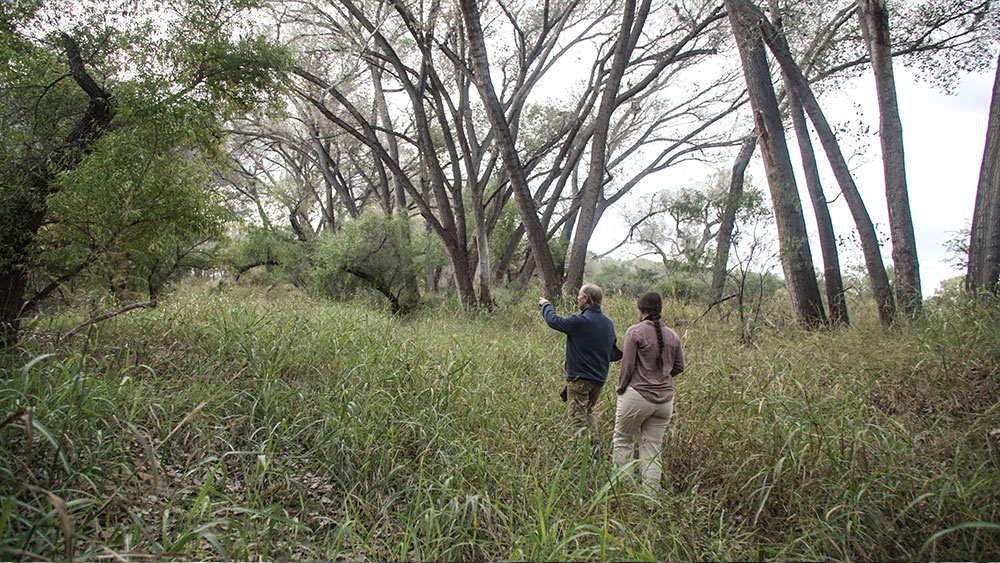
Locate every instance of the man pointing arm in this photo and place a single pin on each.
(590, 338)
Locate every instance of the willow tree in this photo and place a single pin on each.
(106, 115)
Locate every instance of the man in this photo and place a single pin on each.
(590, 339)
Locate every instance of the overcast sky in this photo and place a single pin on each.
(944, 136)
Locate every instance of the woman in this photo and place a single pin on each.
(652, 356)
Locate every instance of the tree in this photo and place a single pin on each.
(866, 230)
(415, 60)
(91, 105)
(727, 222)
(874, 20)
(984, 241)
(796, 259)
(834, 285)
(633, 19)
(512, 162)
(682, 226)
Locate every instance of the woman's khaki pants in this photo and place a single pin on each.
(637, 416)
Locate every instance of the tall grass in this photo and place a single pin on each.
(239, 426)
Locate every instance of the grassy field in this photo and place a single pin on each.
(237, 425)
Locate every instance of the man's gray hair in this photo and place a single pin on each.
(593, 293)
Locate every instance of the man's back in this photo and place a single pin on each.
(590, 337)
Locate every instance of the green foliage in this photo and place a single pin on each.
(128, 204)
(375, 250)
(681, 225)
(504, 230)
(234, 426)
(685, 284)
(128, 209)
(628, 278)
(284, 258)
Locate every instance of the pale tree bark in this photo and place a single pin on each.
(382, 110)
(866, 229)
(796, 258)
(633, 19)
(984, 242)
(328, 168)
(724, 240)
(874, 21)
(512, 162)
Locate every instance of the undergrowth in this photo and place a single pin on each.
(230, 425)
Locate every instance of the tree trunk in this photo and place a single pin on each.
(505, 142)
(482, 244)
(593, 186)
(796, 259)
(834, 283)
(866, 230)
(24, 207)
(13, 281)
(727, 222)
(875, 26)
(328, 169)
(398, 190)
(984, 241)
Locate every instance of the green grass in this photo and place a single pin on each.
(239, 426)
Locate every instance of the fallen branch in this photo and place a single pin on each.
(716, 302)
(106, 316)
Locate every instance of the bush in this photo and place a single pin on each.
(375, 251)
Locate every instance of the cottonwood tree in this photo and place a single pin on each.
(796, 258)
(984, 241)
(727, 222)
(682, 226)
(833, 282)
(425, 59)
(480, 69)
(798, 83)
(419, 59)
(941, 37)
(874, 22)
(646, 60)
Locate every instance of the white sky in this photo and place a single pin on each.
(944, 136)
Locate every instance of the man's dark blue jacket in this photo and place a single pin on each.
(590, 336)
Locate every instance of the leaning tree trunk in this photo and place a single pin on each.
(796, 259)
(875, 28)
(727, 222)
(866, 230)
(632, 21)
(834, 283)
(505, 142)
(984, 241)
